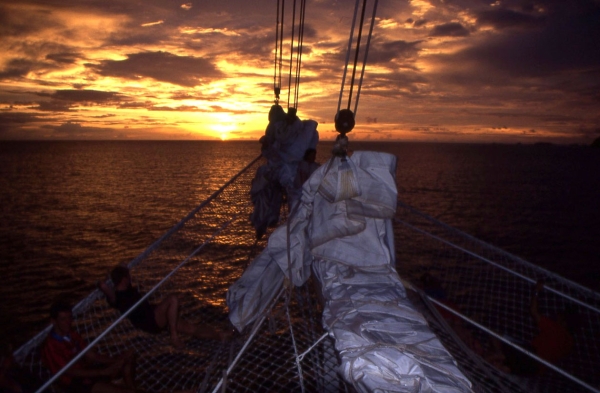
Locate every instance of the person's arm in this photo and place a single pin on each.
(535, 312)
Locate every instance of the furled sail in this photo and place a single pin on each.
(342, 232)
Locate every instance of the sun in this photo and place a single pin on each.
(223, 129)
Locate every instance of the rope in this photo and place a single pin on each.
(298, 365)
(303, 354)
(347, 56)
(278, 63)
(356, 54)
(259, 322)
(299, 56)
(291, 53)
(364, 66)
(362, 19)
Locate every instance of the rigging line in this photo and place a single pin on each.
(254, 331)
(277, 61)
(347, 56)
(300, 48)
(291, 54)
(364, 65)
(360, 28)
(281, 42)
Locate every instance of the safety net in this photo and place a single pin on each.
(479, 308)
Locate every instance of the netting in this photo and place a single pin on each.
(287, 349)
(486, 300)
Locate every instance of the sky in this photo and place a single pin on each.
(514, 71)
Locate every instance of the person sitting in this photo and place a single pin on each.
(306, 167)
(152, 318)
(553, 343)
(94, 372)
(555, 338)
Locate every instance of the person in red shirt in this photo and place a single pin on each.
(554, 340)
(94, 372)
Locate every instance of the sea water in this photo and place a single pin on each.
(71, 210)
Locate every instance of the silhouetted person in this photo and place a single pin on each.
(152, 318)
(306, 167)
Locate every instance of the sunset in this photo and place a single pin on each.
(299, 196)
(447, 71)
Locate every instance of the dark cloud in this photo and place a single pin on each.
(13, 117)
(180, 108)
(64, 57)
(184, 95)
(218, 108)
(17, 68)
(566, 41)
(137, 36)
(385, 51)
(23, 21)
(503, 18)
(93, 96)
(11, 121)
(54, 106)
(452, 29)
(161, 66)
(74, 130)
(135, 105)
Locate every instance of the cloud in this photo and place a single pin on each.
(180, 108)
(74, 130)
(158, 22)
(566, 41)
(64, 57)
(54, 106)
(161, 66)
(452, 29)
(385, 51)
(503, 18)
(93, 96)
(22, 21)
(12, 121)
(17, 68)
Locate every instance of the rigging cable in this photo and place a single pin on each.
(300, 46)
(345, 118)
(278, 63)
(297, 63)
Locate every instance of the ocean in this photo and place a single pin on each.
(71, 210)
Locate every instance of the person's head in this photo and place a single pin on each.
(292, 115)
(276, 113)
(61, 316)
(118, 274)
(310, 155)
